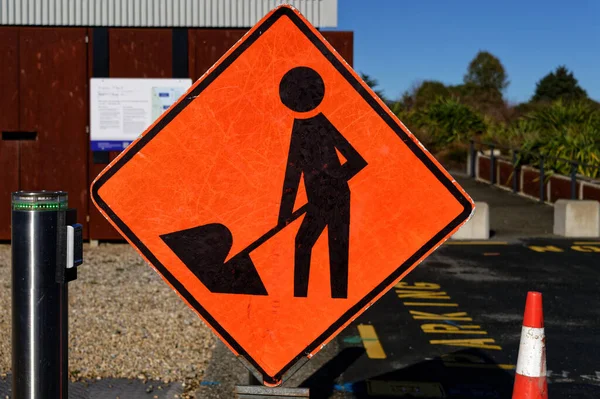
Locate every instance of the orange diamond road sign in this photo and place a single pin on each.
(279, 196)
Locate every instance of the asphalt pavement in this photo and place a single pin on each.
(451, 329)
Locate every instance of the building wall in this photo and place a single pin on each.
(157, 13)
(43, 123)
(9, 122)
(44, 78)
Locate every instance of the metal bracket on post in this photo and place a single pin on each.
(472, 158)
(256, 390)
(574, 168)
(542, 178)
(69, 248)
(264, 392)
(516, 171)
(492, 165)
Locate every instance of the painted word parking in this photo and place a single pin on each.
(422, 294)
(422, 344)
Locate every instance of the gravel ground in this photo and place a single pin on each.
(125, 321)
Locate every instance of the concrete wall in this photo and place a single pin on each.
(478, 226)
(577, 218)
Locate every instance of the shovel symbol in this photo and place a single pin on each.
(203, 250)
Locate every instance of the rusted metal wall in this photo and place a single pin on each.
(54, 102)
(50, 101)
(50, 96)
(9, 122)
(140, 53)
(343, 42)
(206, 46)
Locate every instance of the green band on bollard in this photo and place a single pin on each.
(39, 201)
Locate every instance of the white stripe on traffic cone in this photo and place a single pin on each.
(530, 378)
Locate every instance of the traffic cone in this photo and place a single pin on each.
(530, 378)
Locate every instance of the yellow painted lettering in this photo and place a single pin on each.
(481, 343)
(547, 248)
(457, 316)
(450, 329)
(585, 248)
(422, 294)
(432, 304)
(417, 286)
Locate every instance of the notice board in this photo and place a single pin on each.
(121, 109)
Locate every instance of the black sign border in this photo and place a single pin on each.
(208, 79)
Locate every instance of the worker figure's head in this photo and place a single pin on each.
(301, 89)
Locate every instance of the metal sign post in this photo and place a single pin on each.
(46, 248)
(256, 390)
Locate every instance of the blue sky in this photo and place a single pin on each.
(400, 42)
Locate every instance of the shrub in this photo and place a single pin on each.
(565, 130)
(448, 121)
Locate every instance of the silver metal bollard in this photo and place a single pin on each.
(46, 248)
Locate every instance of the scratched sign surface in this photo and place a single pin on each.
(279, 196)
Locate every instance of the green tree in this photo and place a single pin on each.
(486, 73)
(484, 83)
(447, 121)
(429, 92)
(422, 94)
(373, 84)
(560, 84)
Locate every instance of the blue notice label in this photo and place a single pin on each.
(163, 94)
(112, 145)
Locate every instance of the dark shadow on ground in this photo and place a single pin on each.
(573, 390)
(465, 374)
(462, 374)
(323, 381)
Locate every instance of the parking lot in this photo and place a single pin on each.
(452, 328)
